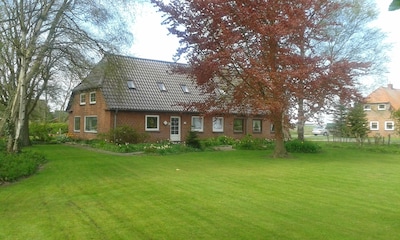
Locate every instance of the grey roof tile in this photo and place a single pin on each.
(113, 72)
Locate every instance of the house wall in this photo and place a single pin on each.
(88, 109)
(107, 119)
(137, 121)
(382, 119)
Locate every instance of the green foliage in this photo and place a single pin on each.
(124, 135)
(40, 132)
(251, 143)
(164, 148)
(218, 141)
(357, 122)
(193, 140)
(340, 128)
(396, 117)
(297, 146)
(48, 132)
(15, 166)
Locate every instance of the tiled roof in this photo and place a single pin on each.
(385, 95)
(113, 72)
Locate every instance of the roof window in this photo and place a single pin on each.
(162, 87)
(131, 84)
(185, 88)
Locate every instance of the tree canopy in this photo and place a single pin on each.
(260, 57)
(395, 5)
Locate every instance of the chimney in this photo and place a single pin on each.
(390, 86)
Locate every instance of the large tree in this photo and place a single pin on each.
(43, 37)
(257, 57)
(351, 39)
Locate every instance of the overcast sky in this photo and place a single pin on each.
(152, 41)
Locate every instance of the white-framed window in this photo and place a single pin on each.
(92, 97)
(238, 125)
(218, 124)
(91, 124)
(374, 125)
(367, 107)
(197, 123)
(381, 107)
(77, 124)
(389, 125)
(82, 99)
(257, 127)
(152, 123)
(162, 87)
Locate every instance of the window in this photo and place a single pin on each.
(218, 124)
(162, 87)
(238, 125)
(82, 99)
(389, 125)
(197, 123)
(272, 128)
(374, 125)
(257, 125)
(91, 124)
(131, 84)
(92, 97)
(77, 124)
(185, 88)
(152, 123)
(367, 107)
(381, 107)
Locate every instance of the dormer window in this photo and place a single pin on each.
(381, 107)
(185, 88)
(162, 87)
(131, 84)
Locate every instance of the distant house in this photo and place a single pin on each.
(379, 106)
(145, 95)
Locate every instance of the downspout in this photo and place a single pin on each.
(115, 123)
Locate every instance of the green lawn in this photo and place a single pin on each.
(81, 194)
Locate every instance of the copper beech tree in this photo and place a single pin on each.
(259, 56)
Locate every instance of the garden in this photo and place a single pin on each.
(341, 191)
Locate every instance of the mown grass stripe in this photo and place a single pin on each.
(346, 194)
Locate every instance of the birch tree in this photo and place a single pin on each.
(41, 37)
(351, 39)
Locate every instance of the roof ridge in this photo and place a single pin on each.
(142, 59)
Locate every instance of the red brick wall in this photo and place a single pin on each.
(106, 121)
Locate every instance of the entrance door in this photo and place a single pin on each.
(175, 132)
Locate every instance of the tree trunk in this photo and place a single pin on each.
(280, 150)
(300, 121)
(25, 141)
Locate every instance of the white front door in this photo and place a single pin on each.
(175, 129)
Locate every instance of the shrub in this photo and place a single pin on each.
(45, 132)
(218, 141)
(251, 143)
(15, 166)
(123, 135)
(193, 140)
(302, 146)
(40, 132)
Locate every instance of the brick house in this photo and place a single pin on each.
(379, 106)
(144, 94)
